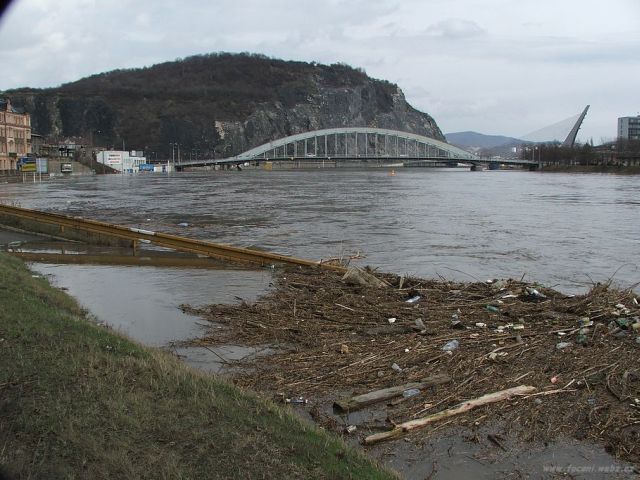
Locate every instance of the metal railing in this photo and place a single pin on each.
(136, 235)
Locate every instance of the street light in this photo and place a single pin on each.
(173, 152)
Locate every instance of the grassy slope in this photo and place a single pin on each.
(77, 401)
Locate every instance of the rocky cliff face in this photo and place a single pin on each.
(218, 105)
(329, 108)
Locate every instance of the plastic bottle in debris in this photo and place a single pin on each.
(413, 299)
(450, 346)
(396, 367)
(299, 400)
(624, 323)
(585, 322)
(412, 392)
(535, 293)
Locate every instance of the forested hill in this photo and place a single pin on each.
(217, 104)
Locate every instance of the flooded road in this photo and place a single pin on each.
(563, 230)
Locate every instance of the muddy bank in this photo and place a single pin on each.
(333, 340)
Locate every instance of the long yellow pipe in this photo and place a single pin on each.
(210, 249)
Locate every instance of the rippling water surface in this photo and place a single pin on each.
(559, 229)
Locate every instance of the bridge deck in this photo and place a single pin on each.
(404, 159)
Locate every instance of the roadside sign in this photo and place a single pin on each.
(26, 164)
(42, 165)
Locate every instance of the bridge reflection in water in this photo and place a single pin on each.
(360, 144)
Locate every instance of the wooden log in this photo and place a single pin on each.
(357, 276)
(463, 407)
(360, 401)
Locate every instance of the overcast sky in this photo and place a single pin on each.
(494, 66)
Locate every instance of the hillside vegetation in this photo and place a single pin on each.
(216, 104)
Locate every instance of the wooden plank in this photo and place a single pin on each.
(116, 259)
(463, 407)
(360, 401)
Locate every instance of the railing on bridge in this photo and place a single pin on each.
(357, 143)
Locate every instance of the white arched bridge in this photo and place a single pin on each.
(355, 144)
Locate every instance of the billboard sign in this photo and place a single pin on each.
(42, 165)
(113, 158)
(26, 164)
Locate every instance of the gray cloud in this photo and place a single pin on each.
(454, 28)
(495, 66)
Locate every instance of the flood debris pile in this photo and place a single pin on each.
(440, 344)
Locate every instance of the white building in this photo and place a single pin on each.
(629, 128)
(125, 162)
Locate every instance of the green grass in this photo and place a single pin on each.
(78, 401)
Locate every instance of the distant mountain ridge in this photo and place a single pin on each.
(477, 140)
(217, 104)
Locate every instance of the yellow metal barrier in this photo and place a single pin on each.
(209, 249)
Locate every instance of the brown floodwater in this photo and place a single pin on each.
(143, 302)
(562, 230)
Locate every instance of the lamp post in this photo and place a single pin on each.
(173, 153)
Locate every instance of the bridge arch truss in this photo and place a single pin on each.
(357, 142)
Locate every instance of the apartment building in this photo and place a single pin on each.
(629, 128)
(15, 136)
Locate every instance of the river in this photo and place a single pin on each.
(562, 230)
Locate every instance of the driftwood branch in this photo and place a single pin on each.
(463, 407)
(357, 276)
(360, 401)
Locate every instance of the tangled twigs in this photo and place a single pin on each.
(333, 339)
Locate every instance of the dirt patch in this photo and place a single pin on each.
(335, 339)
